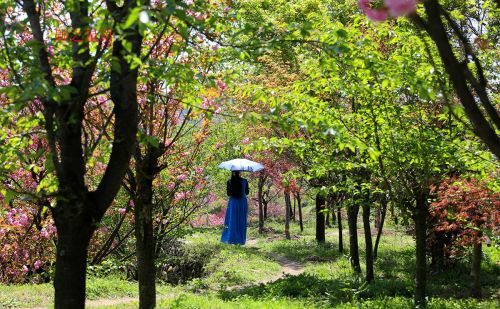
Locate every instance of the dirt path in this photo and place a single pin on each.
(288, 267)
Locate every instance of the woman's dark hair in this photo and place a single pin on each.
(234, 185)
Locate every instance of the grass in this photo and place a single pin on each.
(327, 281)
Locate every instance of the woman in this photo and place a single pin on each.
(235, 222)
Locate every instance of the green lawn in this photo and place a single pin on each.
(233, 273)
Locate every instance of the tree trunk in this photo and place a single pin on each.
(261, 210)
(288, 206)
(265, 209)
(299, 204)
(294, 207)
(477, 255)
(383, 212)
(420, 218)
(368, 243)
(339, 220)
(352, 220)
(378, 217)
(144, 235)
(320, 218)
(74, 233)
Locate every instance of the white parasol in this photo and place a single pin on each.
(241, 165)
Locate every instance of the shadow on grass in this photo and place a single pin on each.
(312, 288)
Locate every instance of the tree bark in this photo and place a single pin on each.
(288, 206)
(383, 212)
(299, 205)
(368, 243)
(144, 235)
(320, 218)
(339, 220)
(477, 254)
(294, 207)
(74, 229)
(420, 218)
(352, 220)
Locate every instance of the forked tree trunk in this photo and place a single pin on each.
(383, 212)
(299, 204)
(477, 254)
(352, 220)
(288, 206)
(368, 243)
(420, 218)
(339, 220)
(320, 218)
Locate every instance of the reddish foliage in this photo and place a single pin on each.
(467, 210)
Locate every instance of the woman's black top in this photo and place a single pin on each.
(234, 187)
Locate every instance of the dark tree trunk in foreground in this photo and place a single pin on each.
(74, 233)
(352, 220)
(368, 243)
(320, 218)
(299, 205)
(288, 206)
(339, 220)
(477, 254)
(420, 218)
(260, 187)
(380, 228)
(294, 207)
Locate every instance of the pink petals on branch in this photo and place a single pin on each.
(394, 8)
(373, 14)
(401, 7)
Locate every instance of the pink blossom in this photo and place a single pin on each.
(122, 211)
(401, 7)
(373, 14)
(44, 233)
(23, 220)
(2, 232)
(245, 141)
(222, 86)
(38, 264)
(215, 47)
(181, 177)
(25, 269)
(181, 196)
(198, 170)
(171, 186)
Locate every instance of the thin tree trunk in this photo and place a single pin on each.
(288, 206)
(145, 241)
(339, 220)
(261, 210)
(477, 255)
(420, 218)
(294, 207)
(378, 216)
(299, 204)
(320, 218)
(352, 220)
(368, 243)
(383, 212)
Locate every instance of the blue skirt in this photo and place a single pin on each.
(235, 221)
